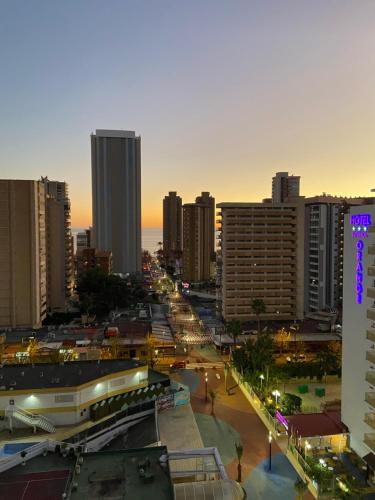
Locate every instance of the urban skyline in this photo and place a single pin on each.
(278, 108)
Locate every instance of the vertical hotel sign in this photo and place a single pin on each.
(360, 225)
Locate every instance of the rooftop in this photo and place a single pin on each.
(127, 134)
(68, 374)
(136, 473)
(316, 424)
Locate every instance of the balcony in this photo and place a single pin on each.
(371, 292)
(370, 398)
(371, 313)
(370, 377)
(370, 356)
(370, 419)
(371, 270)
(369, 441)
(370, 335)
(371, 249)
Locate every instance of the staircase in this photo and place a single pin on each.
(30, 419)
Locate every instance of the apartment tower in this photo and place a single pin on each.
(23, 277)
(284, 186)
(116, 197)
(59, 245)
(172, 227)
(262, 257)
(198, 239)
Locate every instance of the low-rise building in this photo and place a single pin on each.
(65, 393)
(90, 258)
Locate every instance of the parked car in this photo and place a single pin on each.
(178, 365)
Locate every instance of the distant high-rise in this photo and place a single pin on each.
(172, 227)
(116, 197)
(199, 238)
(23, 282)
(209, 201)
(284, 186)
(83, 239)
(59, 248)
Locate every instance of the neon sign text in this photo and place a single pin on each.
(360, 224)
(359, 271)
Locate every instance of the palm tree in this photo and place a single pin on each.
(300, 488)
(259, 307)
(239, 451)
(213, 396)
(234, 330)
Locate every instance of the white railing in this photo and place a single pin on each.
(30, 418)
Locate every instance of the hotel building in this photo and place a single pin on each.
(116, 197)
(262, 257)
(358, 348)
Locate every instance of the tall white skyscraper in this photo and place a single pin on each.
(116, 197)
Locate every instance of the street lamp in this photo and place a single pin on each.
(270, 450)
(307, 447)
(206, 380)
(276, 393)
(261, 376)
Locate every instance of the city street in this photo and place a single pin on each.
(234, 419)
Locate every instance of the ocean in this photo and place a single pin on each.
(150, 237)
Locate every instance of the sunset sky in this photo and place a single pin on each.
(223, 93)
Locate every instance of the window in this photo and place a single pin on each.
(64, 398)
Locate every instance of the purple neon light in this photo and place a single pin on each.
(283, 421)
(359, 271)
(360, 224)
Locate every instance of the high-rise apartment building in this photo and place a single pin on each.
(262, 257)
(209, 201)
(116, 197)
(83, 239)
(23, 277)
(196, 242)
(358, 348)
(59, 245)
(172, 227)
(284, 186)
(324, 229)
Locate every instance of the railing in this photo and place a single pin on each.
(32, 419)
(370, 398)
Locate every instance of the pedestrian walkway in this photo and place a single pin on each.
(235, 420)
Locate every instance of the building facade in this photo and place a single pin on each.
(172, 227)
(262, 257)
(23, 274)
(83, 239)
(284, 186)
(116, 197)
(59, 245)
(90, 258)
(324, 246)
(358, 346)
(197, 248)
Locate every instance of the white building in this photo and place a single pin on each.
(358, 363)
(116, 197)
(65, 393)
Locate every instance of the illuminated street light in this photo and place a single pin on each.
(261, 376)
(206, 380)
(270, 450)
(307, 447)
(276, 393)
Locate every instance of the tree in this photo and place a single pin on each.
(327, 362)
(213, 396)
(300, 488)
(234, 330)
(258, 307)
(239, 452)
